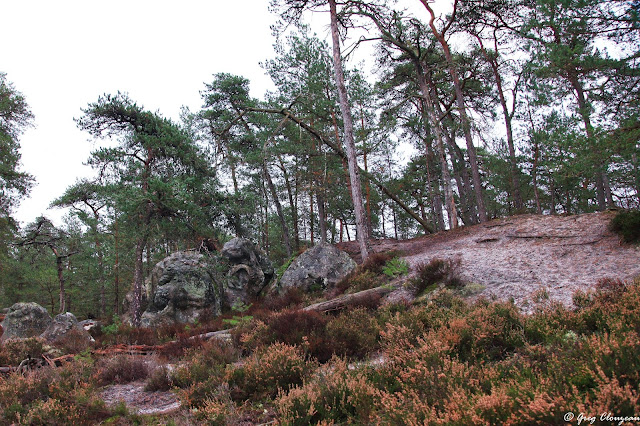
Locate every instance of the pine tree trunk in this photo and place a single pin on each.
(515, 180)
(276, 201)
(63, 295)
(450, 204)
(601, 179)
(356, 190)
(466, 124)
(138, 281)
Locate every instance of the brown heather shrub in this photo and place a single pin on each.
(158, 380)
(73, 342)
(305, 329)
(14, 351)
(120, 369)
(365, 276)
(335, 394)
(47, 395)
(353, 333)
(203, 372)
(52, 412)
(437, 271)
(278, 366)
(218, 411)
(291, 298)
(376, 261)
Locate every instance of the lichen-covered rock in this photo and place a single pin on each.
(182, 288)
(318, 268)
(250, 271)
(61, 325)
(25, 320)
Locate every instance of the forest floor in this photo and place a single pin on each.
(514, 258)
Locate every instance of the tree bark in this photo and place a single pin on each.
(356, 190)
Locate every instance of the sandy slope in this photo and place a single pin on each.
(516, 256)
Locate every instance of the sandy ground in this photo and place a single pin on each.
(139, 400)
(515, 257)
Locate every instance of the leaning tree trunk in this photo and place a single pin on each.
(354, 176)
(444, 165)
(603, 190)
(466, 124)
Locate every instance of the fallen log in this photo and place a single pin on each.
(353, 298)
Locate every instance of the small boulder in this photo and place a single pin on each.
(25, 320)
(61, 326)
(250, 271)
(318, 268)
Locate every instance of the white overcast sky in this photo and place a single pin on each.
(61, 55)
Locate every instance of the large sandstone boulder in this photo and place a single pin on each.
(182, 288)
(25, 320)
(318, 268)
(250, 271)
(187, 285)
(61, 326)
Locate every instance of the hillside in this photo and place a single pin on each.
(515, 257)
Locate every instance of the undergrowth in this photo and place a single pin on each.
(445, 362)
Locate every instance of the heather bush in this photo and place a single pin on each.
(278, 366)
(73, 342)
(219, 410)
(437, 271)
(203, 373)
(120, 369)
(363, 281)
(291, 297)
(353, 333)
(377, 270)
(376, 262)
(13, 351)
(50, 396)
(335, 394)
(626, 223)
(158, 380)
(51, 412)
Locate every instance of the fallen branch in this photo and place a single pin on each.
(352, 299)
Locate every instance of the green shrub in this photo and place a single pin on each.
(627, 224)
(396, 267)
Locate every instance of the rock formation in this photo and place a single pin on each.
(187, 285)
(250, 271)
(61, 325)
(318, 268)
(25, 320)
(181, 288)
